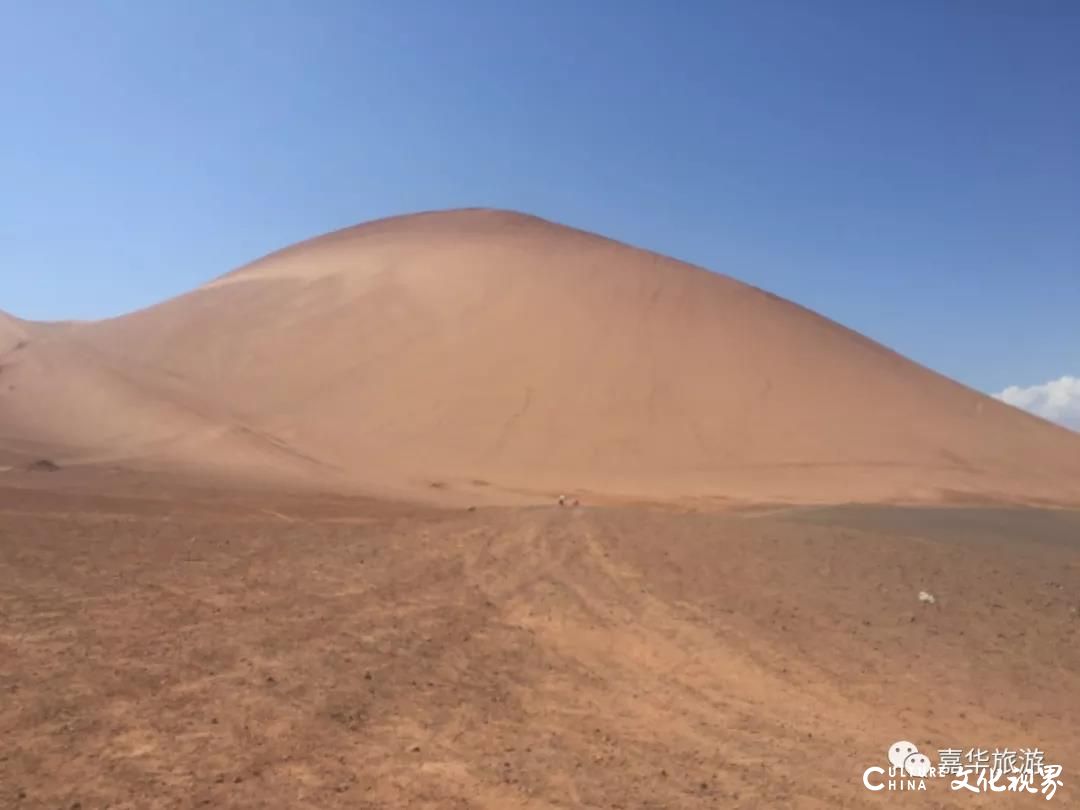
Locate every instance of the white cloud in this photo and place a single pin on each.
(1057, 400)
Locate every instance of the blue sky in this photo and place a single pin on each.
(909, 169)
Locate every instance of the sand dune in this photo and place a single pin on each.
(498, 354)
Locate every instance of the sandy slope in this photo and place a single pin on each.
(487, 351)
(12, 332)
(61, 400)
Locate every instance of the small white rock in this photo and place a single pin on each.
(926, 597)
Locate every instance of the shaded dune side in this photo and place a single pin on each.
(13, 333)
(60, 400)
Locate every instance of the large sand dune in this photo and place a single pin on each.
(500, 355)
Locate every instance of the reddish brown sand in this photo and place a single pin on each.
(498, 357)
(176, 648)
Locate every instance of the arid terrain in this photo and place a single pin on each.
(292, 540)
(180, 647)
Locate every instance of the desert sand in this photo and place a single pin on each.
(171, 647)
(506, 358)
(291, 541)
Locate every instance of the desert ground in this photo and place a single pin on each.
(167, 645)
